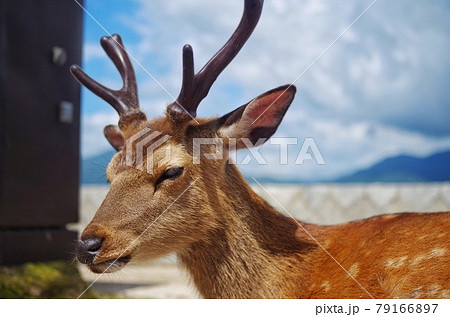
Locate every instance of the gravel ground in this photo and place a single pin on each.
(152, 280)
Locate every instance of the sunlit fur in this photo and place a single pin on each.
(237, 246)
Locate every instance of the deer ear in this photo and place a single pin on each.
(259, 118)
(114, 136)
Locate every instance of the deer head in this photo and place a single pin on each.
(148, 214)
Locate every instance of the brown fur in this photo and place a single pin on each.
(236, 246)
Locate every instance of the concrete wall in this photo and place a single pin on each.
(323, 204)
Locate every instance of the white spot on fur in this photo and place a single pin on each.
(434, 289)
(354, 269)
(326, 244)
(414, 294)
(417, 259)
(444, 294)
(395, 263)
(437, 252)
(326, 286)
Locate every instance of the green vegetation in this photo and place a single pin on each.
(44, 280)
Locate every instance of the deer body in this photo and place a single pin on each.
(255, 252)
(232, 242)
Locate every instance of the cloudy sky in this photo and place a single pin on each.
(380, 90)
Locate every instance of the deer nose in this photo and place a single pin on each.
(88, 248)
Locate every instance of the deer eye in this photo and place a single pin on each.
(171, 173)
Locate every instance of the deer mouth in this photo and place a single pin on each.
(109, 266)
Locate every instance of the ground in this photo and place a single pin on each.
(152, 280)
(45, 280)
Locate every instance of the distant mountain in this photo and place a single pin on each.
(93, 169)
(398, 169)
(404, 168)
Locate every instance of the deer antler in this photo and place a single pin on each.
(125, 99)
(195, 87)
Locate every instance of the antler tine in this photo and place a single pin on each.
(195, 87)
(126, 98)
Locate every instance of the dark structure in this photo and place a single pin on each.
(39, 129)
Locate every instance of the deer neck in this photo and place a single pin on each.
(251, 248)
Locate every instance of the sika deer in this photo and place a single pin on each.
(232, 242)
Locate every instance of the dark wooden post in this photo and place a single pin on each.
(39, 129)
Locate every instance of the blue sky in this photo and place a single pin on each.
(380, 90)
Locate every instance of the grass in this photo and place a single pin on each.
(44, 280)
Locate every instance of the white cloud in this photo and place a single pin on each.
(378, 91)
(344, 149)
(92, 139)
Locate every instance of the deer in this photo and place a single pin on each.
(232, 243)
